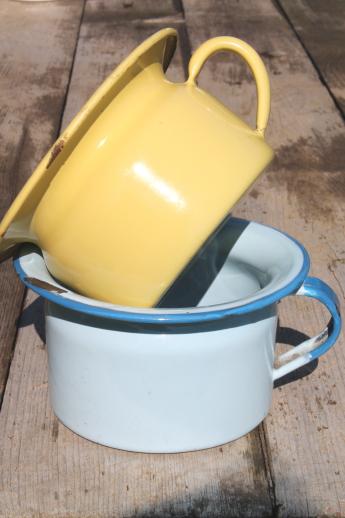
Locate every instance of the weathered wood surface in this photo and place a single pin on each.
(37, 42)
(293, 465)
(303, 193)
(46, 469)
(320, 26)
(110, 30)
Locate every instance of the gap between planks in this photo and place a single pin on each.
(303, 194)
(220, 481)
(339, 104)
(28, 124)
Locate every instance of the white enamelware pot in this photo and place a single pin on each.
(180, 379)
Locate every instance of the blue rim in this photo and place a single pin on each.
(188, 316)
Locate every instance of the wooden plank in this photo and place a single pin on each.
(106, 38)
(46, 470)
(37, 42)
(303, 193)
(321, 29)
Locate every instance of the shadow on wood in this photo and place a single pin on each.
(33, 314)
(227, 500)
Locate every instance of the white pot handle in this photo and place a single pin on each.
(314, 347)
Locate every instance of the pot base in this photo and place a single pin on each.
(167, 449)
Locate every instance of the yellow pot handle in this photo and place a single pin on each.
(253, 59)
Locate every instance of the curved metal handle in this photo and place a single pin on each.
(255, 63)
(318, 345)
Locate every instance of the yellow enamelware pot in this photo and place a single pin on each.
(147, 165)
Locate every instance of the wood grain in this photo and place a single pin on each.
(110, 31)
(46, 470)
(302, 193)
(321, 29)
(37, 42)
(293, 465)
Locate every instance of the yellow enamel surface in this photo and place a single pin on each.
(15, 226)
(147, 182)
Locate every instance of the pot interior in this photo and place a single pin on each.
(236, 281)
(238, 262)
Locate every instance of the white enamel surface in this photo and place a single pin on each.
(236, 281)
(128, 387)
(159, 392)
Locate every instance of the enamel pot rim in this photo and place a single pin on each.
(85, 305)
